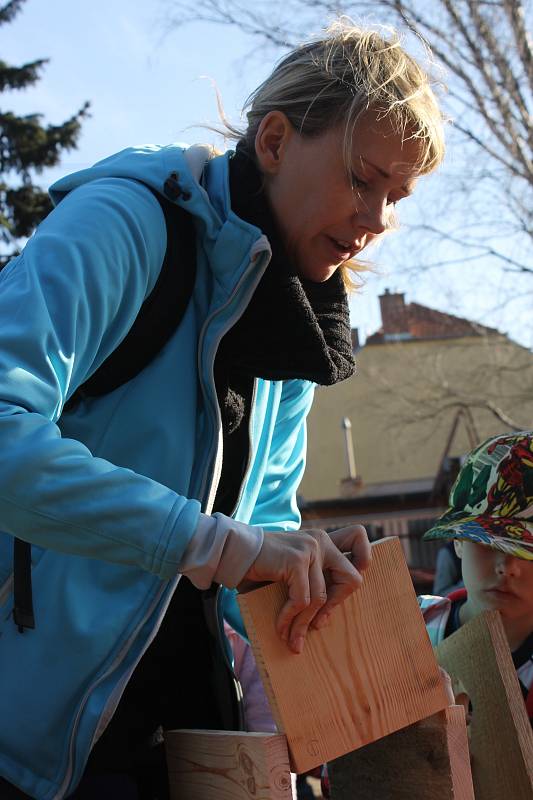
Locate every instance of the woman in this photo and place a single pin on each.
(191, 467)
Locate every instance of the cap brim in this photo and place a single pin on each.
(512, 536)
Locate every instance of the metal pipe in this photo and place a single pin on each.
(347, 428)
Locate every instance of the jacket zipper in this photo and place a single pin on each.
(217, 629)
(217, 471)
(209, 488)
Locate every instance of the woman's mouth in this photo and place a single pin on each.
(344, 249)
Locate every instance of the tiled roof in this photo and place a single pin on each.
(404, 321)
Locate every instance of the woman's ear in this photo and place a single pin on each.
(271, 141)
(458, 545)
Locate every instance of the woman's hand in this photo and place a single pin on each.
(320, 570)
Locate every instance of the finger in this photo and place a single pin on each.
(354, 539)
(337, 594)
(318, 597)
(298, 599)
(340, 567)
(343, 579)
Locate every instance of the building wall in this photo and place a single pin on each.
(402, 403)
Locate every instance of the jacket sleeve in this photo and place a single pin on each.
(65, 304)
(435, 611)
(276, 508)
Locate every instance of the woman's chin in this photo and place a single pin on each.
(318, 273)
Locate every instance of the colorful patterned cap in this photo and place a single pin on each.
(491, 501)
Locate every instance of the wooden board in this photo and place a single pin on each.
(426, 760)
(215, 765)
(501, 740)
(367, 674)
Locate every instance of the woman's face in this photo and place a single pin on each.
(325, 214)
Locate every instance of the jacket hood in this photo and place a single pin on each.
(153, 165)
(200, 183)
(150, 164)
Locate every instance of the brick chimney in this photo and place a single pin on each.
(393, 313)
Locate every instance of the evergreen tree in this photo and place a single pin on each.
(26, 148)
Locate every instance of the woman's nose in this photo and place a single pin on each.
(372, 215)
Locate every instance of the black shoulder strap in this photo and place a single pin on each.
(22, 592)
(158, 318)
(160, 314)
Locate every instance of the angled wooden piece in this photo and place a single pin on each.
(501, 740)
(221, 765)
(429, 759)
(370, 672)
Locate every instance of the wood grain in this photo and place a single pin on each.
(427, 760)
(216, 765)
(367, 674)
(458, 752)
(501, 739)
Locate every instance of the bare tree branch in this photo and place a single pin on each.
(485, 250)
(515, 15)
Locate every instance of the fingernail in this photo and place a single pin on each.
(298, 644)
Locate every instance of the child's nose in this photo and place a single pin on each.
(507, 564)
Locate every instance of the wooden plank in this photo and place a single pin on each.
(216, 765)
(501, 740)
(429, 759)
(367, 674)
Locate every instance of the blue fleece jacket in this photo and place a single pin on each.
(116, 496)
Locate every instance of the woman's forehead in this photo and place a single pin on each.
(379, 140)
(386, 153)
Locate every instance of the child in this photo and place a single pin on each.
(490, 520)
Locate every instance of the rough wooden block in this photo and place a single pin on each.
(367, 674)
(501, 740)
(216, 765)
(429, 759)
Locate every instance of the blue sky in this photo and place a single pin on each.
(144, 86)
(148, 85)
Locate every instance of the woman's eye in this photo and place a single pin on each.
(358, 183)
(393, 201)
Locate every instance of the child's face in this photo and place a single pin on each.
(496, 581)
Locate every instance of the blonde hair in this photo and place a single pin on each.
(334, 80)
